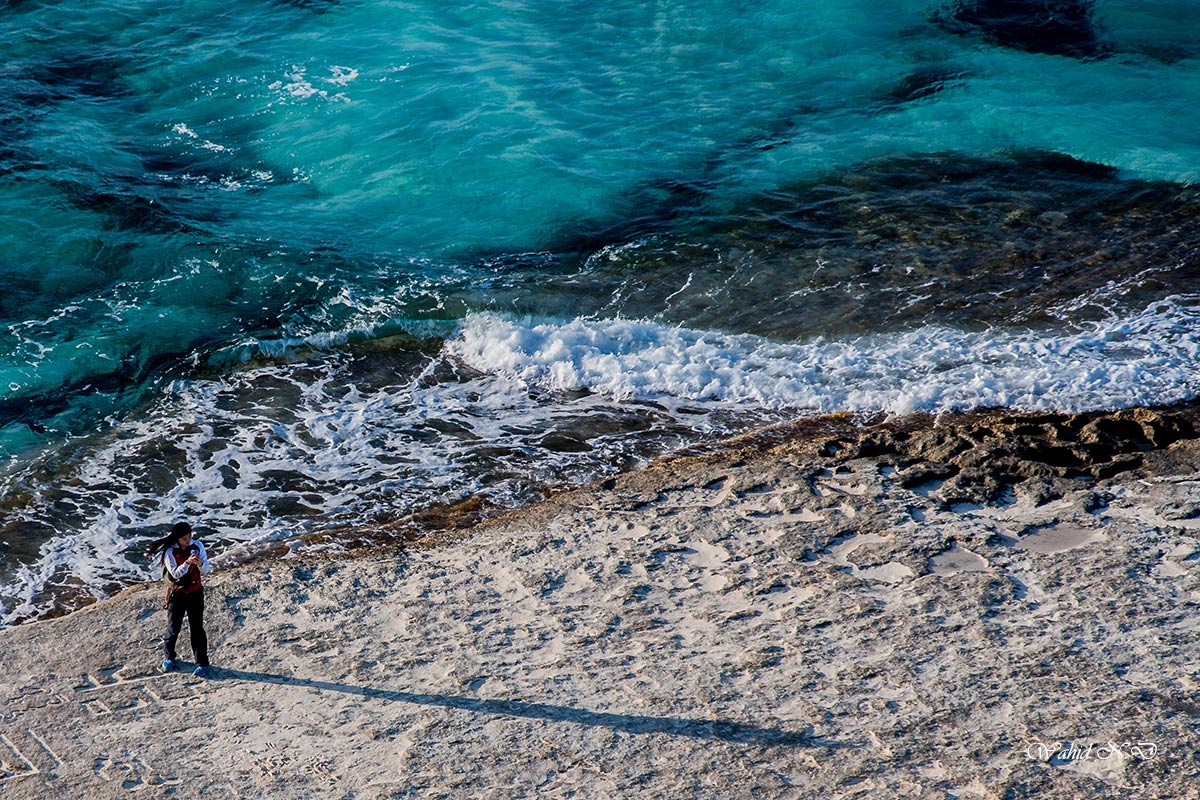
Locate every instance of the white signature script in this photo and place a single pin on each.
(1068, 751)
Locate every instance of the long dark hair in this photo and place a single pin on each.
(158, 548)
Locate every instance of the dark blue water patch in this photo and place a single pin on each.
(32, 86)
(126, 211)
(97, 76)
(13, 160)
(65, 409)
(315, 6)
(180, 182)
(21, 293)
(1053, 27)
(187, 170)
(173, 194)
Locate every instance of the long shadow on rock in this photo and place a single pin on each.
(720, 730)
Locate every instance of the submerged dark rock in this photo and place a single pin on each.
(923, 82)
(1027, 239)
(655, 206)
(1054, 27)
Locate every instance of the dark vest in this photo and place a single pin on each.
(190, 582)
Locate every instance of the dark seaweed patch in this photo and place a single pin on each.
(174, 168)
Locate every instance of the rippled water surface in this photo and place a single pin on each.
(284, 267)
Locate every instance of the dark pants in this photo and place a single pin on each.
(192, 604)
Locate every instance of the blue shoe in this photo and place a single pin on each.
(168, 665)
(200, 672)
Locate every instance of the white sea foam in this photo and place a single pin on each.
(1147, 358)
(299, 86)
(272, 451)
(341, 76)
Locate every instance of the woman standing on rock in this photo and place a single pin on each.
(183, 561)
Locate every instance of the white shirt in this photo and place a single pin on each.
(179, 570)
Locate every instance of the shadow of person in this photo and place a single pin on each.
(720, 730)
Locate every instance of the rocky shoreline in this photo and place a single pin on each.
(990, 605)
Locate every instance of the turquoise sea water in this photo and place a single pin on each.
(287, 266)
